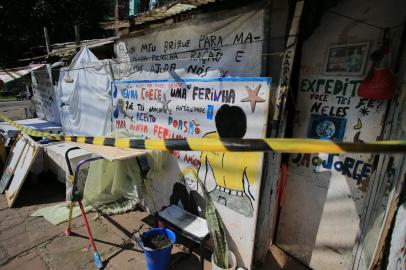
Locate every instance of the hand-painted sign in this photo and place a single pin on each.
(44, 94)
(217, 45)
(206, 108)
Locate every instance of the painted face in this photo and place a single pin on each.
(120, 104)
(190, 183)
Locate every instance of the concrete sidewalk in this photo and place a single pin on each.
(32, 243)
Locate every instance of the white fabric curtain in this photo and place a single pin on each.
(84, 95)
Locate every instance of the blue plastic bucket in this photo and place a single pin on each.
(158, 259)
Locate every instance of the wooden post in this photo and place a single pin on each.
(77, 37)
(3, 155)
(46, 40)
(268, 204)
(117, 18)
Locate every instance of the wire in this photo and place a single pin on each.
(116, 61)
(363, 22)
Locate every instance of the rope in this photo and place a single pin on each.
(224, 145)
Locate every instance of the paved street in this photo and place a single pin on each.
(16, 109)
(33, 243)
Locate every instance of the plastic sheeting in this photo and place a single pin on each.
(83, 95)
(57, 214)
(116, 187)
(111, 187)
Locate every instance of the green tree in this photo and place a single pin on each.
(22, 22)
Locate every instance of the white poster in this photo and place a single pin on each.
(44, 94)
(206, 108)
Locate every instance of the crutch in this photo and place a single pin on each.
(77, 197)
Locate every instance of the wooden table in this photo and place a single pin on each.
(102, 152)
(109, 152)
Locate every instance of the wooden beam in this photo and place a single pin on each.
(268, 204)
(117, 18)
(77, 37)
(47, 40)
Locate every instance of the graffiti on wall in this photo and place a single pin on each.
(208, 108)
(213, 47)
(333, 102)
(357, 169)
(333, 111)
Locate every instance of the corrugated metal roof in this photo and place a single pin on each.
(8, 75)
(169, 10)
(69, 48)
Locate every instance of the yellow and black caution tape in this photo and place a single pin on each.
(224, 145)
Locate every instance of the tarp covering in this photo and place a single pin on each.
(57, 214)
(83, 95)
(110, 187)
(116, 187)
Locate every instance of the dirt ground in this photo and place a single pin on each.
(33, 243)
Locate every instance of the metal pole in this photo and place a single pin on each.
(46, 39)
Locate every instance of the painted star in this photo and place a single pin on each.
(253, 97)
(164, 102)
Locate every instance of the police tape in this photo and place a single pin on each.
(282, 145)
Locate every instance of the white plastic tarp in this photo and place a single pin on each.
(208, 46)
(9, 75)
(83, 95)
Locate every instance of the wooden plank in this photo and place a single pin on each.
(109, 152)
(3, 154)
(383, 239)
(267, 212)
(23, 167)
(12, 161)
(186, 221)
(287, 65)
